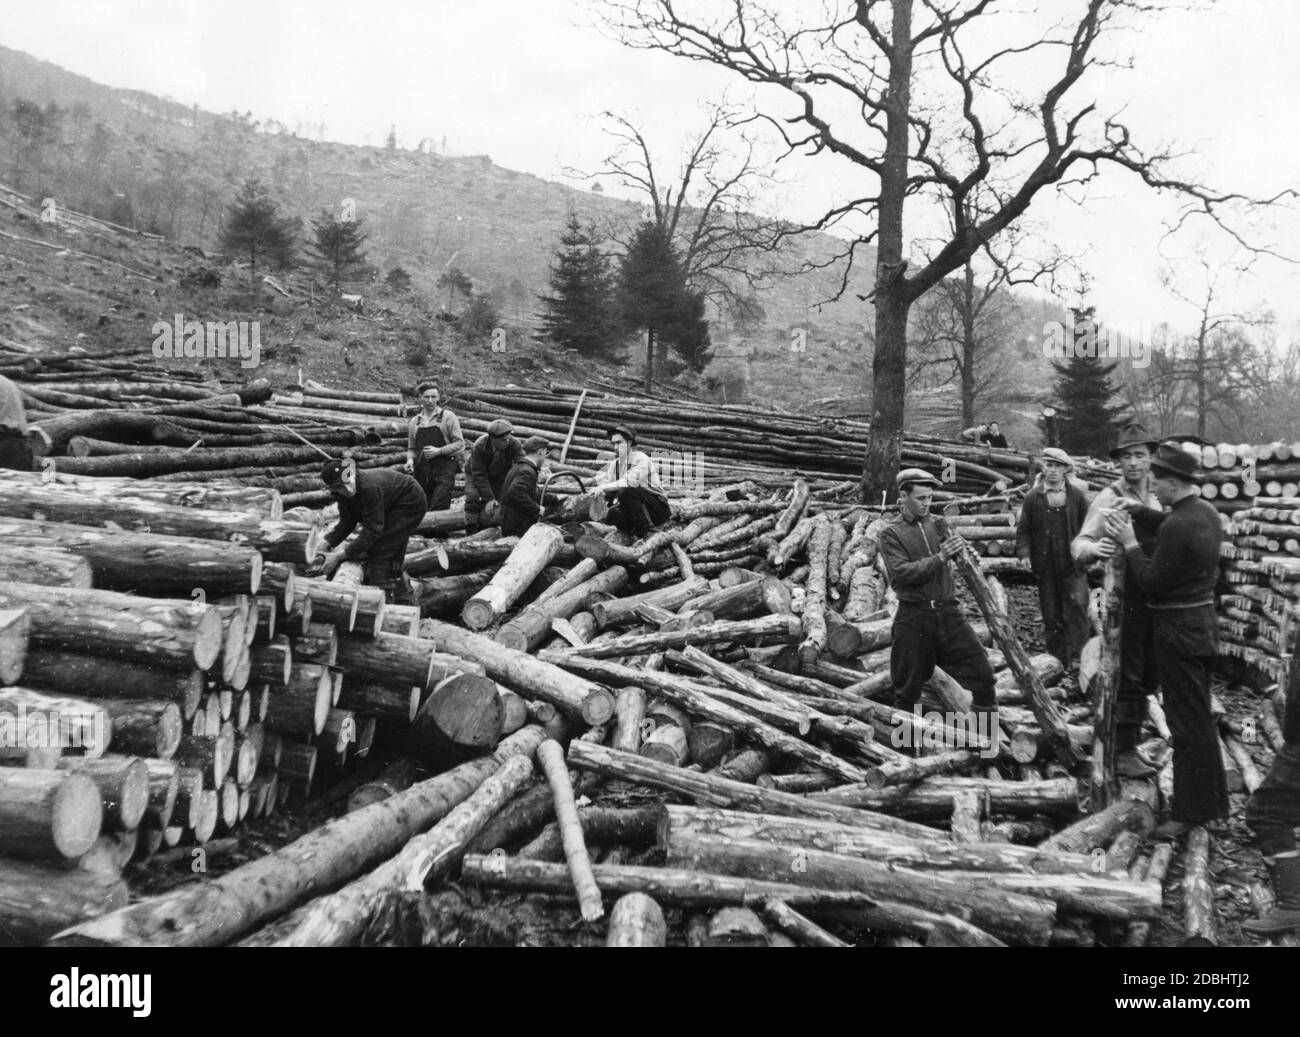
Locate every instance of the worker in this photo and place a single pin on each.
(1138, 675)
(521, 504)
(1178, 578)
(640, 503)
(435, 447)
(1050, 519)
(389, 506)
(989, 434)
(15, 451)
(929, 628)
(490, 459)
(1273, 813)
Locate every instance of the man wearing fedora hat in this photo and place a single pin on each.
(1138, 674)
(1178, 577)
(640, 503)
(929, 629)
(1050, 519)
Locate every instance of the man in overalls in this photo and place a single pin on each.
(434, 447)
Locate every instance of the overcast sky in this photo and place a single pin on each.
(524, 81)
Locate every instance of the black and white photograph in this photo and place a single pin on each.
(651, 473)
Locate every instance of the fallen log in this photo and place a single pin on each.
(462, 717)
(15, 630)
(96, 677)
(527, 630)
(1098, 830)
(47, 815)
(933, 797)
(636, 921)
(782, 629)
(36, 902)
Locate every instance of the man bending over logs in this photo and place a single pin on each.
(640, 503)
(1138, 676)
(929, 628)
(520, 502)
(490, 460)
(389, 507)
(1178, 578)
(434, 447)
(1049, 521)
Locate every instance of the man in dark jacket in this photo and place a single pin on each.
(1050, 519)
(1273, 813)
(388, 506)
(929, 628)
(491, 459)
(1178, 579)
(15, 452)
(520, 501)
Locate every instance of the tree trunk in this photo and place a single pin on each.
(42, 564)
(1097, 830)
(619, 611)
(636, 921)
(550, 757)
(443, 596)
(462, 717)
(96, 677)
(301, 706)
(15, 631)
(932, 798)
(1106, 687)
(533, 553)
(47, 814)
(123, 783)
(526, 631)
(399, 661)
(145, 727)
(172, 634)
(37, 902)
(386, 701)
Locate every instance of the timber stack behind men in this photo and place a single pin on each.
(929, 628)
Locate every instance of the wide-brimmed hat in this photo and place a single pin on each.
(1058, 455)
(914, 475)
(1132, 435)
(1170, 457)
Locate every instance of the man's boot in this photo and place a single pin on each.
(1129, 763)
(1284, 870)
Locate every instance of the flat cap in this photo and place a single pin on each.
(1058, 455)
(500, 427)
(914, 475)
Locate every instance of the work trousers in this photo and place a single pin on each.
(1063, 597)
(1273, 812)
(15, 453)
(637, 510)
(926, 637)
(1138, 674)
(1186, 641)
(387, 554)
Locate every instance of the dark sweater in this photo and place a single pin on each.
(380, 493)
(917, 571)
(1031, 529)
(488, 468)
(1184, 565)
(519, 506)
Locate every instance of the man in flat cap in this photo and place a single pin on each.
(929, 628)
(1178, 577)
(491, 459)
(521, 504)
(1138, 674)
(1050, 519)
(389, 507)
(640, 503)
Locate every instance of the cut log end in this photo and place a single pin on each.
(477, 614)
(598, 707)
(77, 815)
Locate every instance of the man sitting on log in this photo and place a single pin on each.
(434, 447)
(929, 628)
(1178, 578)
(490, 460)
(520, 502)
(15, 451)
(389, 507)
(1050, 520)
(1273, 813)
(1138, 676)
(640, 503)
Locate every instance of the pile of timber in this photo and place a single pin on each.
(801, 806)
(1262, 564)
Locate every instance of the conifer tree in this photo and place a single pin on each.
(256, 229)
(337, 251)
(1087, 418)
(579, 310)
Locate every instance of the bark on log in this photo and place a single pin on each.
(1106, 686)
(1098, 830)
(145, 727)
(301, 706)
(443, 596)
(621, 611)
(636, 921)
(1198, 888)
(96, 677)
(171, 634)
(802, 930)
(550, 757)
(782, 629)
(36, 902)
(814, 610)
(47, 814)
(527, 630)
(399, 661)
(523, 673)
(533, 553)
(462, 717)
(42, 564)
(35, 719)
(387, 701)
(15, 630)
(933, 797)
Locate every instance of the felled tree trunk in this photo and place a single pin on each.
(36, 902)
(42, 564)
(96, 677)
(462, 717)
(1106, 686)
(47, 815)
(15, 630)
(526, 631)
(533, 553)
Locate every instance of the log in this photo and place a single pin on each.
(514, 711)
(629, 710)
(145, 727)
(667, 744)
(34, 720)
(814, 611)
(399, 661)
(932, 798)
(395, 777)
(272, 663)
(745, 600)
(621, 611)
(636, 921)
(529, 676)
(276, 540)
(1097, 830)
(44, 565)
(529, 557)
(301, 706)
(143, 563)
(318, 643)
(1015, 917)
(527, 630)
(691, 889)
(36, 902)
(47, 814)
(1104, 786)
(15, 629)
(784, 629)
(389, 702)
(403, 620)
(1198, 889)
(802, 930)
(170, 634)
(443, 596)
(257, 500)
(462, 717)
(550, 757)
(330, 602)
(217, 911)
